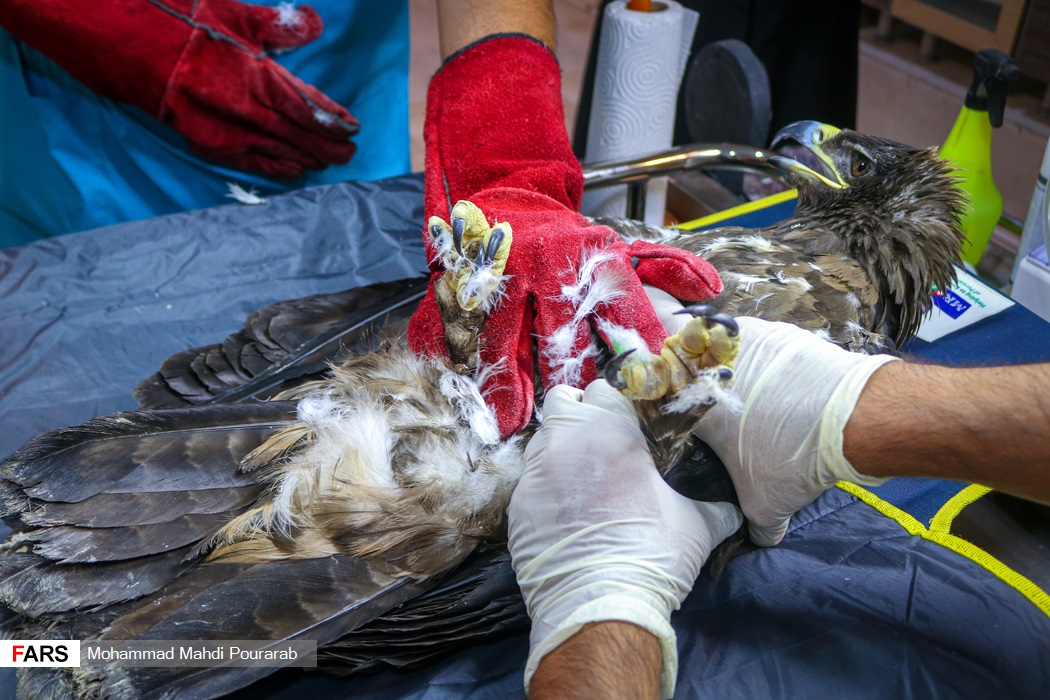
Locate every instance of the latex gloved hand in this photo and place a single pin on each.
(784, 448)
(595, 533)
(202, 67)
(495, 135)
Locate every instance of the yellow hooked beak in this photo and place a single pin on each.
(810, 135)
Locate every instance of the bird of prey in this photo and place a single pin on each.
(362, 503)
(308, 515)
(876, 230)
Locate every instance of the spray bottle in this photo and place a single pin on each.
(969, 147)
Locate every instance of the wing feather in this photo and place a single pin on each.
(151, 451)
(281, 343)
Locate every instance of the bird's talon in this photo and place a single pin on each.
(459, 225)
(495, 241)
(693, 363)
(612, 371)
(732, 327)
(701, 310)
(712, 315)
(474, 255)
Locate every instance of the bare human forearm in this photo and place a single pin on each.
(462, 22)
(603, 660)
(990, 426)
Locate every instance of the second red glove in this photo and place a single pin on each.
(200, 66)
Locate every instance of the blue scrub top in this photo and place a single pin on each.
(71, 160)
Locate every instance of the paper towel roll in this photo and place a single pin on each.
(641, 59)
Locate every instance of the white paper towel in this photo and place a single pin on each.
(641, 60)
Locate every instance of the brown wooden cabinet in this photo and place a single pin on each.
(971, 24)
(1020, 28)
(1033, 45)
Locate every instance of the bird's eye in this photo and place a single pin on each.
(861, 166)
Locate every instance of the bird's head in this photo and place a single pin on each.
(855, 171)
(893, 207)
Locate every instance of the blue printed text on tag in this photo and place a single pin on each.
(951, 303)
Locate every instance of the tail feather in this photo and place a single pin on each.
(141, 508)
(136, 618)
(317, 599)
(244, 358)
(132, 485)
(150, 451)
(477, 600)
(69, 545)
(42, 587)
(225, 371)
(44, 684)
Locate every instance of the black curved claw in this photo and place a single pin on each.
(495, 241)
(732, 327)
(612, 370)
(713, 315)
(703, 310)
(459, 224)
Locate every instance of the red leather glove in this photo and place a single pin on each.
(495, 134)
(201, 67)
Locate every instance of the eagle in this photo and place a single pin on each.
(875, 231)
(311, 478)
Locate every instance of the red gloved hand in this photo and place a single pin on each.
(201, 67)
(495, 134)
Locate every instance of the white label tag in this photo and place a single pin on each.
(968, 301)
(34, 652)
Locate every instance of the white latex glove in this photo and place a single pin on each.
(784, 448)
(596, 534)
(667, 308)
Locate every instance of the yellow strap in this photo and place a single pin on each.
(739, 210)
(938, 532)
(942, 521)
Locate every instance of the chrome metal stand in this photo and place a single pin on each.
(635, 173)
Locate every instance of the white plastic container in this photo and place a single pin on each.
(1036, 230)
